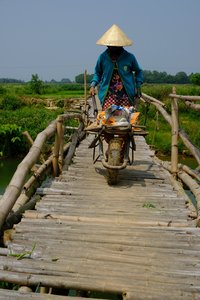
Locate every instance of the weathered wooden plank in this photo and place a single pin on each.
(138, 284)
(107, 249)
(134, 271)
(6, 294)
(114, 220)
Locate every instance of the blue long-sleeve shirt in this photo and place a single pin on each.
(129, 71)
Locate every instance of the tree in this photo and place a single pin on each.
(80, 78)
(163, 77)
(181, 77)
(195, 78)
(36, 84)
(65, 80)
(53, 81)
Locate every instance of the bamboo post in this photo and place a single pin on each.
(30, 140)
(85, 95)
(175, 129)
(60, 130)
(56, 151)
(44, 290)
(85, 86)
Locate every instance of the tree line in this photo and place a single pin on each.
(12, 80)
(157, 77)
(149, 77)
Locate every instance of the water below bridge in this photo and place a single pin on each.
(7, 169)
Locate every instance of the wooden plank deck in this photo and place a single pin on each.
(133, 239)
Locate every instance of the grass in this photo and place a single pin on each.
(149, 205)
(161, 91)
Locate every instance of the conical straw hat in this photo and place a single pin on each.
(114, 36)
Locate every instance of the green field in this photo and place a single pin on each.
(22, 110)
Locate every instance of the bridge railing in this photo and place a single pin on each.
(19, 191)
(188, 176)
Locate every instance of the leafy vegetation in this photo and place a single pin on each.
(195, 78)
(10, 102)
(10, 139)
(36, 84)
(149, 205)
(28, 118)
(163, 77)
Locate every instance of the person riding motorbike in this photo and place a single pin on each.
(117, 72)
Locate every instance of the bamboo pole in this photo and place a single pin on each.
(42, 169)
(16, 215)
(189, 171)
(192, 148)
(25, 289)
(192, 105)
(44, 290)
(160, 107)
(151, 99)
(185, 97)
(188, 100)
(56, 154)
(85, 87)
(190, 182)
(60, 130)
(175, 127)
(85, 97)
(30, 140)
(194, 188)
(58, 147)
(75, 138)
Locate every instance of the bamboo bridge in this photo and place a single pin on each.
(72, 236)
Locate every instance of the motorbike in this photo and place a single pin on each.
(114, 138)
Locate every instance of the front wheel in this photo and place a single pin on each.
(114, 159)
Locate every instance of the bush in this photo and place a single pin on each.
(10, 140)
(10, 102)
(29, 118)
(36, 84)
(195, 78)
(2, 90)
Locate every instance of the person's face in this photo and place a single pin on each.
(114, 49)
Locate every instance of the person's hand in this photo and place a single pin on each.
(138, 92)
(92, 91)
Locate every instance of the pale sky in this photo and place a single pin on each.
(57, 38)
